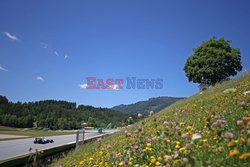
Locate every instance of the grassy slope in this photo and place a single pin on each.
(28, 133)
(160, 144)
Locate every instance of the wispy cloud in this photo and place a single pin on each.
(39, 78)
(2, 68)
(10, 36)
(83, 86)
(114, 87)
(56, 53)
(44, 45)
(66, 56)
(111, 87)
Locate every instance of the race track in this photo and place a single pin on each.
(13, 148)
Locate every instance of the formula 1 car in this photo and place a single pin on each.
(43, 140)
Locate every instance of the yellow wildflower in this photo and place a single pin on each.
(81, 162)
(233, 152)
(244, 155)
(120, 164)
(91, 159)
(182, 149)
(152, 159)
(148, 144)
(230, 144)
(204, 140)
(157, 163)
(189, 127)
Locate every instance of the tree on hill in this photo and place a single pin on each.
(213, 61)
(3, 100)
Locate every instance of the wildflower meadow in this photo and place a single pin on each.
(209, 129)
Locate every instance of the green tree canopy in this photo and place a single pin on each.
(213, 61)
(3, 100)
(53, 114)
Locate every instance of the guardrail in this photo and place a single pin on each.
(27, 159)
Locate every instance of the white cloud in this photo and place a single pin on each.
(114, 87)
(56, 53)
(2, 68)
(111, 87)
(44, 45)
(66, 56)
(83, 86)
(12, 37)
(39, 78)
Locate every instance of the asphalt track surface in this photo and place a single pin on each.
(17, 147)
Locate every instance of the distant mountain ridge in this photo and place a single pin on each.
(144, 107)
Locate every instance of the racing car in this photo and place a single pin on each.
(42, 140)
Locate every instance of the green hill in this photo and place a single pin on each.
(207, 129)
(144, 107)
(53, 114)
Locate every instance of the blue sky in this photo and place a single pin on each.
(48, 48)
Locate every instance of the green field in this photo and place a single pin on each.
(28, 132)
(208, 129)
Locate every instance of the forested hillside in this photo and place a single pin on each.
(54, 115)
(144, 107)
